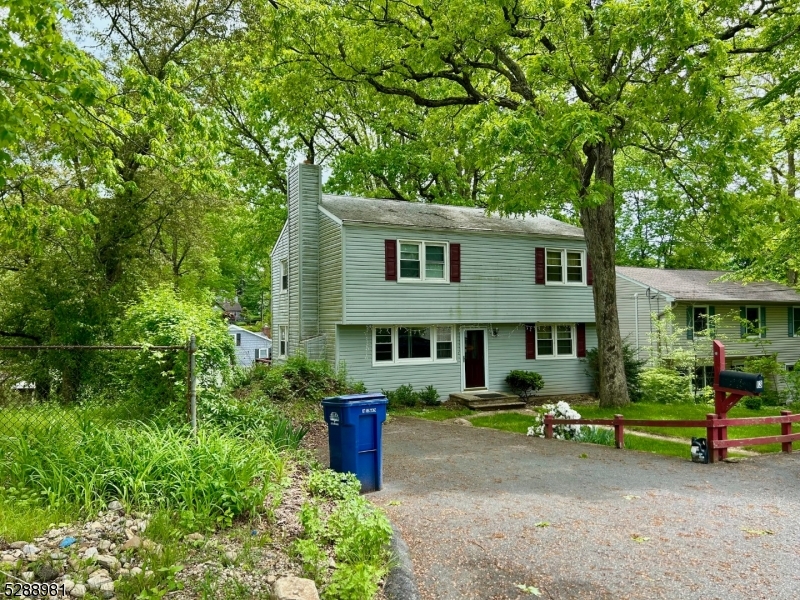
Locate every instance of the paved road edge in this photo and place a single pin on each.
(400, 582)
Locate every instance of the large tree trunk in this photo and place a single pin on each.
(599, 227)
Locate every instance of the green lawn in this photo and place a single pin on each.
(692, 412)
(431, 413)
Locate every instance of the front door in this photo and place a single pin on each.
(474, 359)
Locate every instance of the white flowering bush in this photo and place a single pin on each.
(561, 410)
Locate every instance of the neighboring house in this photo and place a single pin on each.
(250, 345)
(423, 294)
(232, 311)
(753, 319)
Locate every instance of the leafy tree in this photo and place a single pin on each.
(559, 90)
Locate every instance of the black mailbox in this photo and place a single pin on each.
(746, 382)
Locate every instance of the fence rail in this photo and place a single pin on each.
(716, 430)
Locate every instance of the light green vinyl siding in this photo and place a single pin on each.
(627, 310)
(506, 352)
(497, 281)
(330, 282)
(280, 301)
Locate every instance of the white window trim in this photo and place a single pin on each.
(284, 273)
(564, 281)
(283, 338)
(413, 361)
(751, 336)
(708, 316)
(555, 342)
(237, 340)
(422, 277)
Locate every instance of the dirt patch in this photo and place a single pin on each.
(571, 399)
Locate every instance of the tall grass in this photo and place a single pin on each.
(208, 480)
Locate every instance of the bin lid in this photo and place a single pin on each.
(355, 398)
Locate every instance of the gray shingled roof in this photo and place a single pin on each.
(694, 284)
(437, 216)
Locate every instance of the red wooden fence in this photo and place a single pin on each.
(716, 430)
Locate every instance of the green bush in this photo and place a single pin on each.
(429, 396)
(161, 317)
(665, 386)
(633, 370)
(753, 402)
(524, 383)
(406, 397)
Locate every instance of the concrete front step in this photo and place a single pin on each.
(488, 400)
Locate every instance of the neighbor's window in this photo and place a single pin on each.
(383, 344)
(283, 340)
(555, 340)
(413, 342)
(393, 345)
(423, 261)
(444, 342)
(753, 325)
(257, 353)
(238, 339)
(564, 266)
(700, 318)
(796, 320)
(284, 276)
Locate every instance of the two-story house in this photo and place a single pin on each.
(422, 294)
(753, 319)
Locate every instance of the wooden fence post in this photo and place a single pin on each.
(786, 429)
(548, 426)
(619, 431)
(711, 437)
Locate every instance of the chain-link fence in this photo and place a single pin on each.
(89, 386)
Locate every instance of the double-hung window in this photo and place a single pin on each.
(700, 319)
(284, 276)
(555, 340)
(396, 345)
(752, 324)
(423, 261)
(283, 340)
(238, 338)
(795, 322)
(564, 266)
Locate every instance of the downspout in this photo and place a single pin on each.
(636, 311)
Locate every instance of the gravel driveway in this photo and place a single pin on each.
(483, 510)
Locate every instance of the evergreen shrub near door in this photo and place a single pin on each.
(524, 383)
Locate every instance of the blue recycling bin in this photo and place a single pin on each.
(355, 436)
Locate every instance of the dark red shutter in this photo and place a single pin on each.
(530, 341)
(455, 263)
(581, 340)
(390, 259)
(589, 274)
(539, 266)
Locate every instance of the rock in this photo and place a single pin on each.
(45, 573)
(30, 550)
(195, 537)
(95, 526)
(230, 556)
(68, 585)
(108, 561)
(91, 552)
(134, 542)
(53, 533)
(95, 582)
(151, 546)
(295, 588)
(107, 589)
(18, 545)
(136, 571)
(115, 506)
(461, 422)
(124, 572)
(103, 545)
(148, 574)
(74, 563)
(58, 556)
(78, 591)
(271, 579)
(27, 576)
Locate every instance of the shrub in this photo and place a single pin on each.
(633, 370)
(561, 410)
(405, 396)
(524, 383)
(793, 383)
(753, 402)
(665, 386)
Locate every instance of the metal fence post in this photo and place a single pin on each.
(193, 383)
